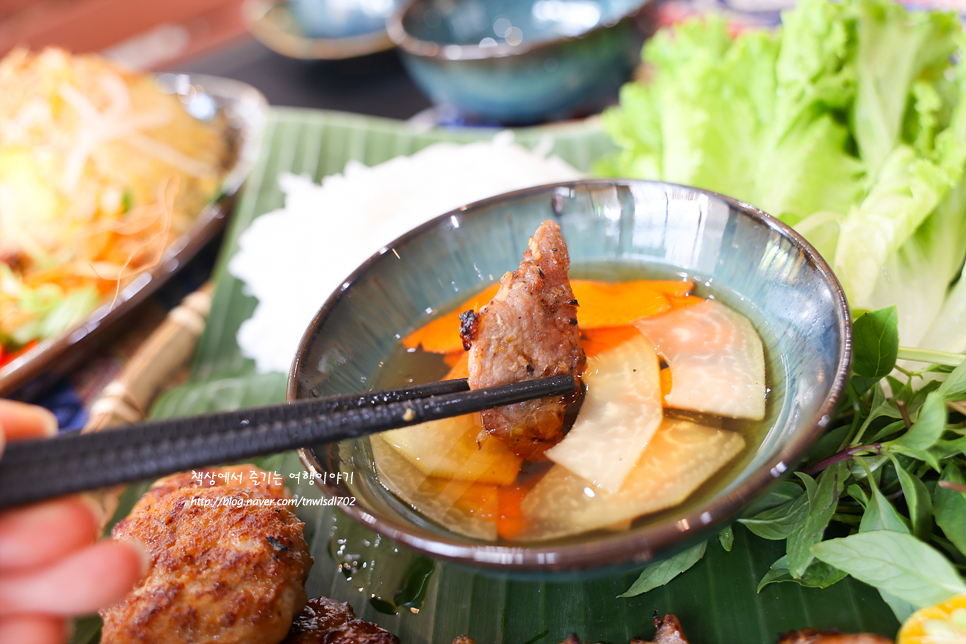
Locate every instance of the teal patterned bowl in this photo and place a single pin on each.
(736, 253)
(516, 62)
(342, 18)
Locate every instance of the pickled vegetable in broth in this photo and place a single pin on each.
(655, 354)
(629, 453)
(677, 460)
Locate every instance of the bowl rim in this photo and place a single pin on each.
(620, 549)
(429, 49)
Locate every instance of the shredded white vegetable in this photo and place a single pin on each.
(99, 171)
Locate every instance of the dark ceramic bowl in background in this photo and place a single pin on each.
(521, 61)
(341, 18)
(743, 257)
(320, 29)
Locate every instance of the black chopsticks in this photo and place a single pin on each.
(41, 469)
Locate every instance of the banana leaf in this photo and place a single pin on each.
(427, 601)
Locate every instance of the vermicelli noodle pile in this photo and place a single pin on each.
(99, 170)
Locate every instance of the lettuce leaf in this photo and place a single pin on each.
(847, 123)
(908, 189)
(42, 311)
(694, 126)
(896, 49)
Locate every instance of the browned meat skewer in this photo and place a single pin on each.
(326, 621)
(529, 330)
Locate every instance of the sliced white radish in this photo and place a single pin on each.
(449, 448)
(465, 508)
(716, 359)
(620, 413)
(680, 457)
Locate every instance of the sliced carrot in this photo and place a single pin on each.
(600, 304)
(603, 304)
(442, 335)
(596, 341)
(480, 500)
(460, 365)
(452, 359)
(681, 302)
(665, 375)
(510, 522)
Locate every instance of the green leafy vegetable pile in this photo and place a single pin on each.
(848, 123)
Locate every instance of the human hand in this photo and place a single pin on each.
(51, 564)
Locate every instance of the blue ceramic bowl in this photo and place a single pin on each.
(751, 261)
(320, 29)
(521, 61)
(341, 18)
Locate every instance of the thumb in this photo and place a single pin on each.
(21, 421)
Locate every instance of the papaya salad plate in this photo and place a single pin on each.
(110, 181)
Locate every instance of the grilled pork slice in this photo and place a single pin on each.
(812, 636)
(528, 331)
(668, 632)
(326, 621)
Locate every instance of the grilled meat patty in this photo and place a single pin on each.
(228, 565)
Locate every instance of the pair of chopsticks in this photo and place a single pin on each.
(41, 469)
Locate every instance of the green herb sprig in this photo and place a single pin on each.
(882, 495)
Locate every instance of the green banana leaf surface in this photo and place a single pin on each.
(426, 601)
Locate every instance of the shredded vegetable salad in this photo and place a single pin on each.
(99, 171)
